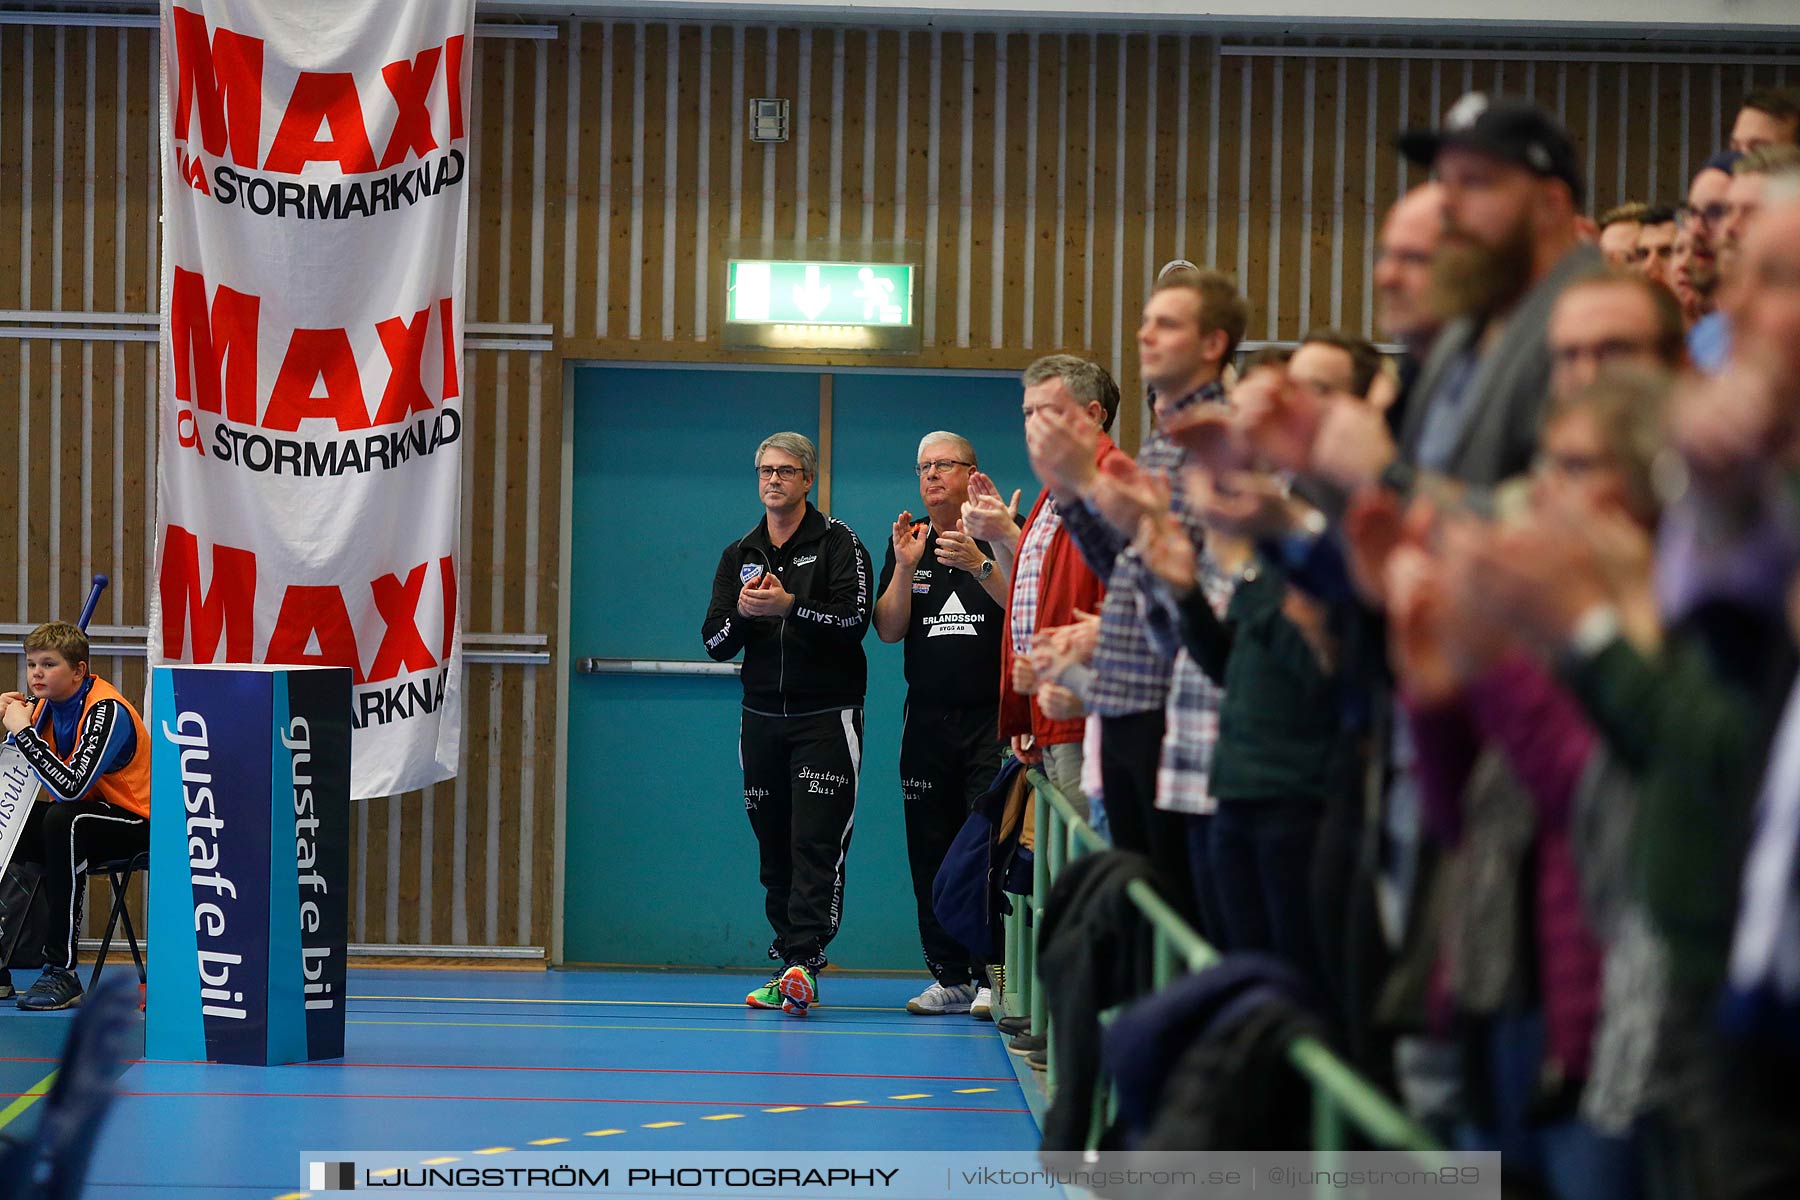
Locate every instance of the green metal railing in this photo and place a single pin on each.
(1342, 1099)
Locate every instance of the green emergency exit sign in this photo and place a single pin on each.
(844, 295)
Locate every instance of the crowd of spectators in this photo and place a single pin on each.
(1462, 677)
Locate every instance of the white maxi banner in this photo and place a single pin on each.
(315, 229)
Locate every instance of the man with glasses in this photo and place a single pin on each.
(1611, 318)
(1703, 220)
(1710, 341)
(1402, 278)
(941, 593)
(793, 595)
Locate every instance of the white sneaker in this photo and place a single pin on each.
(937, 1000)
(983, 1007)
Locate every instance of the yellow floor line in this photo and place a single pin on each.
(789, 1108)
(912, 1096)
(843, 1103)
(294, 1196)
(30, 1097)
(723, 1117)
(970, 1091)
(662, 1124)
(384, 1171)
(764, 1028)
(496, 1150)
(602, 1132)
(438, 1162)
(547, 1141)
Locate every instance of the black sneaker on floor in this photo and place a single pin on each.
(56, 988)
(1028, 1043)
(1038, 1060)
(6, 987)
(1013, 1026)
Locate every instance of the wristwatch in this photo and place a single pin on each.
(1399, 478)
(987, 568)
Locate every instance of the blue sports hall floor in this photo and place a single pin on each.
(506, 1063)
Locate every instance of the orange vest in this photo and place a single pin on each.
(129, 786)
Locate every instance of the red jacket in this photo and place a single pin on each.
(1065, 585)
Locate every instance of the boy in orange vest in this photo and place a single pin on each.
(93, 757)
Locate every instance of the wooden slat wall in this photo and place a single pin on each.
(1041, 178)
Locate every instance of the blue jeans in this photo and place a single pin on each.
(1566, 1156)
(1261, 852)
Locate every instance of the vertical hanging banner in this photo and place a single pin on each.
(315, 229)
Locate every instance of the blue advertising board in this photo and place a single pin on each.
(249, 834)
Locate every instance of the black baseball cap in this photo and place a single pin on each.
(1510, 130)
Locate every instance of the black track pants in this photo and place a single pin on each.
(64, 838)
(948, 757)
(800, 778)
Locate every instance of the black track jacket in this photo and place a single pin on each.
(810, 661)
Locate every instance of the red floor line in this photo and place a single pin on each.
(646, 1103)
(200, 1062)
(663, 1071)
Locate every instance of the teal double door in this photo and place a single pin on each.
(660, 863)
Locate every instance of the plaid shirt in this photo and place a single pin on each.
(1133, 675)
(1193, 714)
(1028, 574)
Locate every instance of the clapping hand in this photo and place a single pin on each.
(1059, 703)
(1240, 504)
(1084, 635)
(1051, 654)
(957, 549)
(1417, 623)
(1536, 578)
(1024, 675)
(1278, 418)
(1167, 551)
(1062, 449)
(765, 598)
(909, 540)
(1372, 531)
(1124, 492)
(1211, 437)
(1352, 444)
(1730, 426)
(1060, 647)
(984, 516)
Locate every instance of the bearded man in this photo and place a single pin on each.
(1510, 194)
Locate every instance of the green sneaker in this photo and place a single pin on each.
(766, 996)
(799, 989)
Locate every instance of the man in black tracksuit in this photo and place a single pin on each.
(794, 595)
(941, 591)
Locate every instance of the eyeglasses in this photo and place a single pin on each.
(782, 473)
(943, 466)
(1572, 466)
(1712, 214)
(1609, 351)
